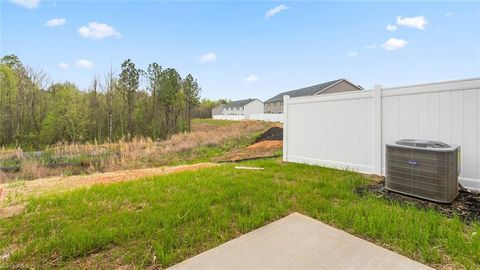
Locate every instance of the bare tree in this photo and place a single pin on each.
(37, 83)
(109, 90)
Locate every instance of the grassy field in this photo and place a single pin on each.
(163, 220)
(209, 138)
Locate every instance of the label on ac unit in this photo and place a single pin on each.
(412, 162)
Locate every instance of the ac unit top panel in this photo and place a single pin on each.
(424, 145)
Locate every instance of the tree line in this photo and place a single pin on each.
(34, 112)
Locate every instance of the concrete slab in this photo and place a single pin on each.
(299, 242)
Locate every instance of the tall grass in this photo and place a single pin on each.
(162, 220)
(137, 153)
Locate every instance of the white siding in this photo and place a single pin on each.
(254, 107)
(232, 111)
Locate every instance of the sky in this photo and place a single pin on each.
(246, 49)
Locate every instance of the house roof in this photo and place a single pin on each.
(219, 106)
(239, 103)
(308, 91)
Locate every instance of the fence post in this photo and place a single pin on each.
(377, 132)
(285, 127)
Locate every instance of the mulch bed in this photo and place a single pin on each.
(466, 205)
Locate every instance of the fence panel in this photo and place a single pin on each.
(334, 131)
(229, 117)
(259, 116)
(266, 117)
(350, 130)
(448, 112)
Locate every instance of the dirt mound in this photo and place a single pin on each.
(272, 134)
(266, 145)
(466, 205)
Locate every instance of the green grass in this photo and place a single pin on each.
(10, 162)
(166, 219)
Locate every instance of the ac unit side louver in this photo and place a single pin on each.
(424, 169)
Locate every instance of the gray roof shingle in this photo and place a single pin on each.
(238, 103)
(307, 91)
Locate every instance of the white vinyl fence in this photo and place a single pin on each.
(269, 117)
(229, 117)
(261, 117)
(350, 130)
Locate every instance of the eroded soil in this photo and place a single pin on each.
(267, 144)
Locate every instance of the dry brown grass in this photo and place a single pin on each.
(210, 137)
(3, 178)
(137, 153)
(10, 153)
(31, 169)
(141, 147)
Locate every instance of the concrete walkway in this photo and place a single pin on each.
(299, 242)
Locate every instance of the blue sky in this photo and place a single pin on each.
(248, 49)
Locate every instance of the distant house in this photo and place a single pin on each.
(275, 104)
(217, 110)
(244, 107)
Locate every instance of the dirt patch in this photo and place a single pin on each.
(11, 211)
(13, 195)
(267, 144)
(466, 205)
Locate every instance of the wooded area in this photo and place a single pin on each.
(35, 113)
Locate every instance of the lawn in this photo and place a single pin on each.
(163, 220)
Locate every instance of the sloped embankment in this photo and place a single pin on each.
(267, 144)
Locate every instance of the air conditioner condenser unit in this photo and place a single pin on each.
(424, 169)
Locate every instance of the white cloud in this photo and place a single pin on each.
(391, 27)
(208, 57)
(352, 53)
(394, 43)
(30, 4)
(414, 22)
(251, 79)
(55, 22)
(448, 14)
(95, 30)
(64, 66)
(84, 64)
(272, 12)
(371, 46)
